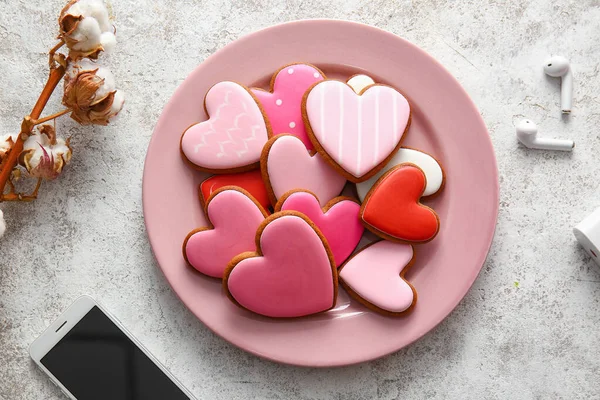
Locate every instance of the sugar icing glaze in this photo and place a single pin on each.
(283, 105)
(250, 181)
(374, 275)
(234, 134)
(235, 218)
(290, 166)
(293, 278)
(429, 165)
(357, 132)
(340, 224)
(392, 206)
(359, 82)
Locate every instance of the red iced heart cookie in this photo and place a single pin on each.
(235, 216)
(338, 221)
(392, 210)
(292, 273)
(250, 181)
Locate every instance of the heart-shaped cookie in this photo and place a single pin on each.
(283, 104)
(287, 165)
(338, 221)
(392, 209)
(375, 277)
(234, 216)
(292, 273)
(231, 140)
(430, 166)
(250, 181)
(359, 82)
(356, 133)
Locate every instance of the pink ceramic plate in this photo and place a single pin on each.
(445, 123)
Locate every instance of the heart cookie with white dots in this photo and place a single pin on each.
(282, 103)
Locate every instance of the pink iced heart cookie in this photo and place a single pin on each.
(338, 221)
(287, 165)
(375, 277)
(234, 216)
(232, 138)
(356, 133)
(292, 273)
(283, 104)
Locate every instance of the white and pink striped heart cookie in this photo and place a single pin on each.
(357, 134)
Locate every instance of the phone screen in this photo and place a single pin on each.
(96, 360)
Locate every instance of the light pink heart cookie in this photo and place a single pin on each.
(235, 216)
(231, 140)
(356, 133)
(375, 277)
(292, 273)
(338, 221)
(287, 165)
(283, 104)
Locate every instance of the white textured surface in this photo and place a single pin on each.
(85, 233)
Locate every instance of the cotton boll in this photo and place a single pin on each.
(108, 86)
(94, 9)
(91, 95)
(108, 41)
(103, 79)
(82, 24)
(86, 35)
(97, 10)
(44, 155)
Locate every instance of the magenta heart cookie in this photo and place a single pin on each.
(287, 165)
(338, 221)
(375, 277)
(231, 140)
(292, 273)
(356, 133)
(235, 216)
(283, 104)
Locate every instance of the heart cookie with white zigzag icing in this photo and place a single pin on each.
(231, 140)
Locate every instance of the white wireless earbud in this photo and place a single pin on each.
(556, 67)
(527, 134)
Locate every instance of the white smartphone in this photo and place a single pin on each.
(89, 355)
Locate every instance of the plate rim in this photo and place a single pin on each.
(379, 31)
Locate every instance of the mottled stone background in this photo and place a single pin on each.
(528, 329)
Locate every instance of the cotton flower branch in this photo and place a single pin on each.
(90, 97)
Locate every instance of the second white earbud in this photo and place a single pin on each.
(558, 67)
(527, 134)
